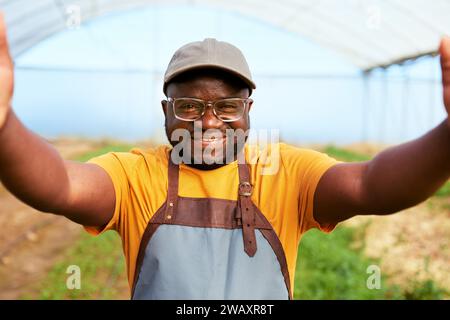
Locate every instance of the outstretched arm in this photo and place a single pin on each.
(397, 178)
(34, 171)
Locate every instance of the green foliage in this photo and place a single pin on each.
(102, 266)
(426, 290)
(103, 150)
(345, 155)
(444, 191)
(327, 268)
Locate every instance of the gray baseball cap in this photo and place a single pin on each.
(209, 53)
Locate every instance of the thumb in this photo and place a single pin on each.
(5, 58)
(444, 51)
(6, 71)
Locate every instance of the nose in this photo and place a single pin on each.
(209, 119)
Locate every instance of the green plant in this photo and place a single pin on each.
(345, 155)
(328, 268)
(426, 290)
(103, 150)
(102, 266)
(444, 191)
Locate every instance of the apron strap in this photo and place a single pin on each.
(246, 210)
(172, 191)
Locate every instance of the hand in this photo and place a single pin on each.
(444, 51)
(6, 74)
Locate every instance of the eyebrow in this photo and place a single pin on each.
(227, 97)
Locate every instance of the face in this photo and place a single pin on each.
(208, 133)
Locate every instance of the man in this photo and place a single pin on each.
(202, 220)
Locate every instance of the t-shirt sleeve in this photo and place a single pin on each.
(308, 167)
(117, 165)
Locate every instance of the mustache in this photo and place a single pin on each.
(225, 132)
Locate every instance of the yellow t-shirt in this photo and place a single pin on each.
(284, 183)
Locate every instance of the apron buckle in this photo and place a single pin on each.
(245, 189)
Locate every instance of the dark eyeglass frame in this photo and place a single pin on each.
(205, 104)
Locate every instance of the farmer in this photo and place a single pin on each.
(202, 219)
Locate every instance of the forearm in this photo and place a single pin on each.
(406, 175)
(31, 168)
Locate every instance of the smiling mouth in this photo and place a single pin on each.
(205, 141)
(205, 137)
(211, 139)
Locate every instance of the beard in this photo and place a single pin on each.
(207, 151)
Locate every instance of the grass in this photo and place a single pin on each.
(444, 191)
(102, 266)
(329, 268)
(345, 155)
(108, 148)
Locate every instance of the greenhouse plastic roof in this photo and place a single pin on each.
(369, 33)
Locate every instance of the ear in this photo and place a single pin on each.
(164, 104)
(250, 104)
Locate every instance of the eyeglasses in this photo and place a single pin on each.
(192, 109)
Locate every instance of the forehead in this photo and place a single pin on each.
(207, 85)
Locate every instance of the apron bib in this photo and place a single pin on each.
(207, 248)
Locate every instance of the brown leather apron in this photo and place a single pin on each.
(208, 248)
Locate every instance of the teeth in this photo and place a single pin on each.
(209, 139)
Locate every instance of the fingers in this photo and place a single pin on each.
(4, 51)
(444, 51)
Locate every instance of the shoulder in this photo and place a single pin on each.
(285, 155)
(152, 156)
(135, 159)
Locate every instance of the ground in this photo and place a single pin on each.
(412, 244)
